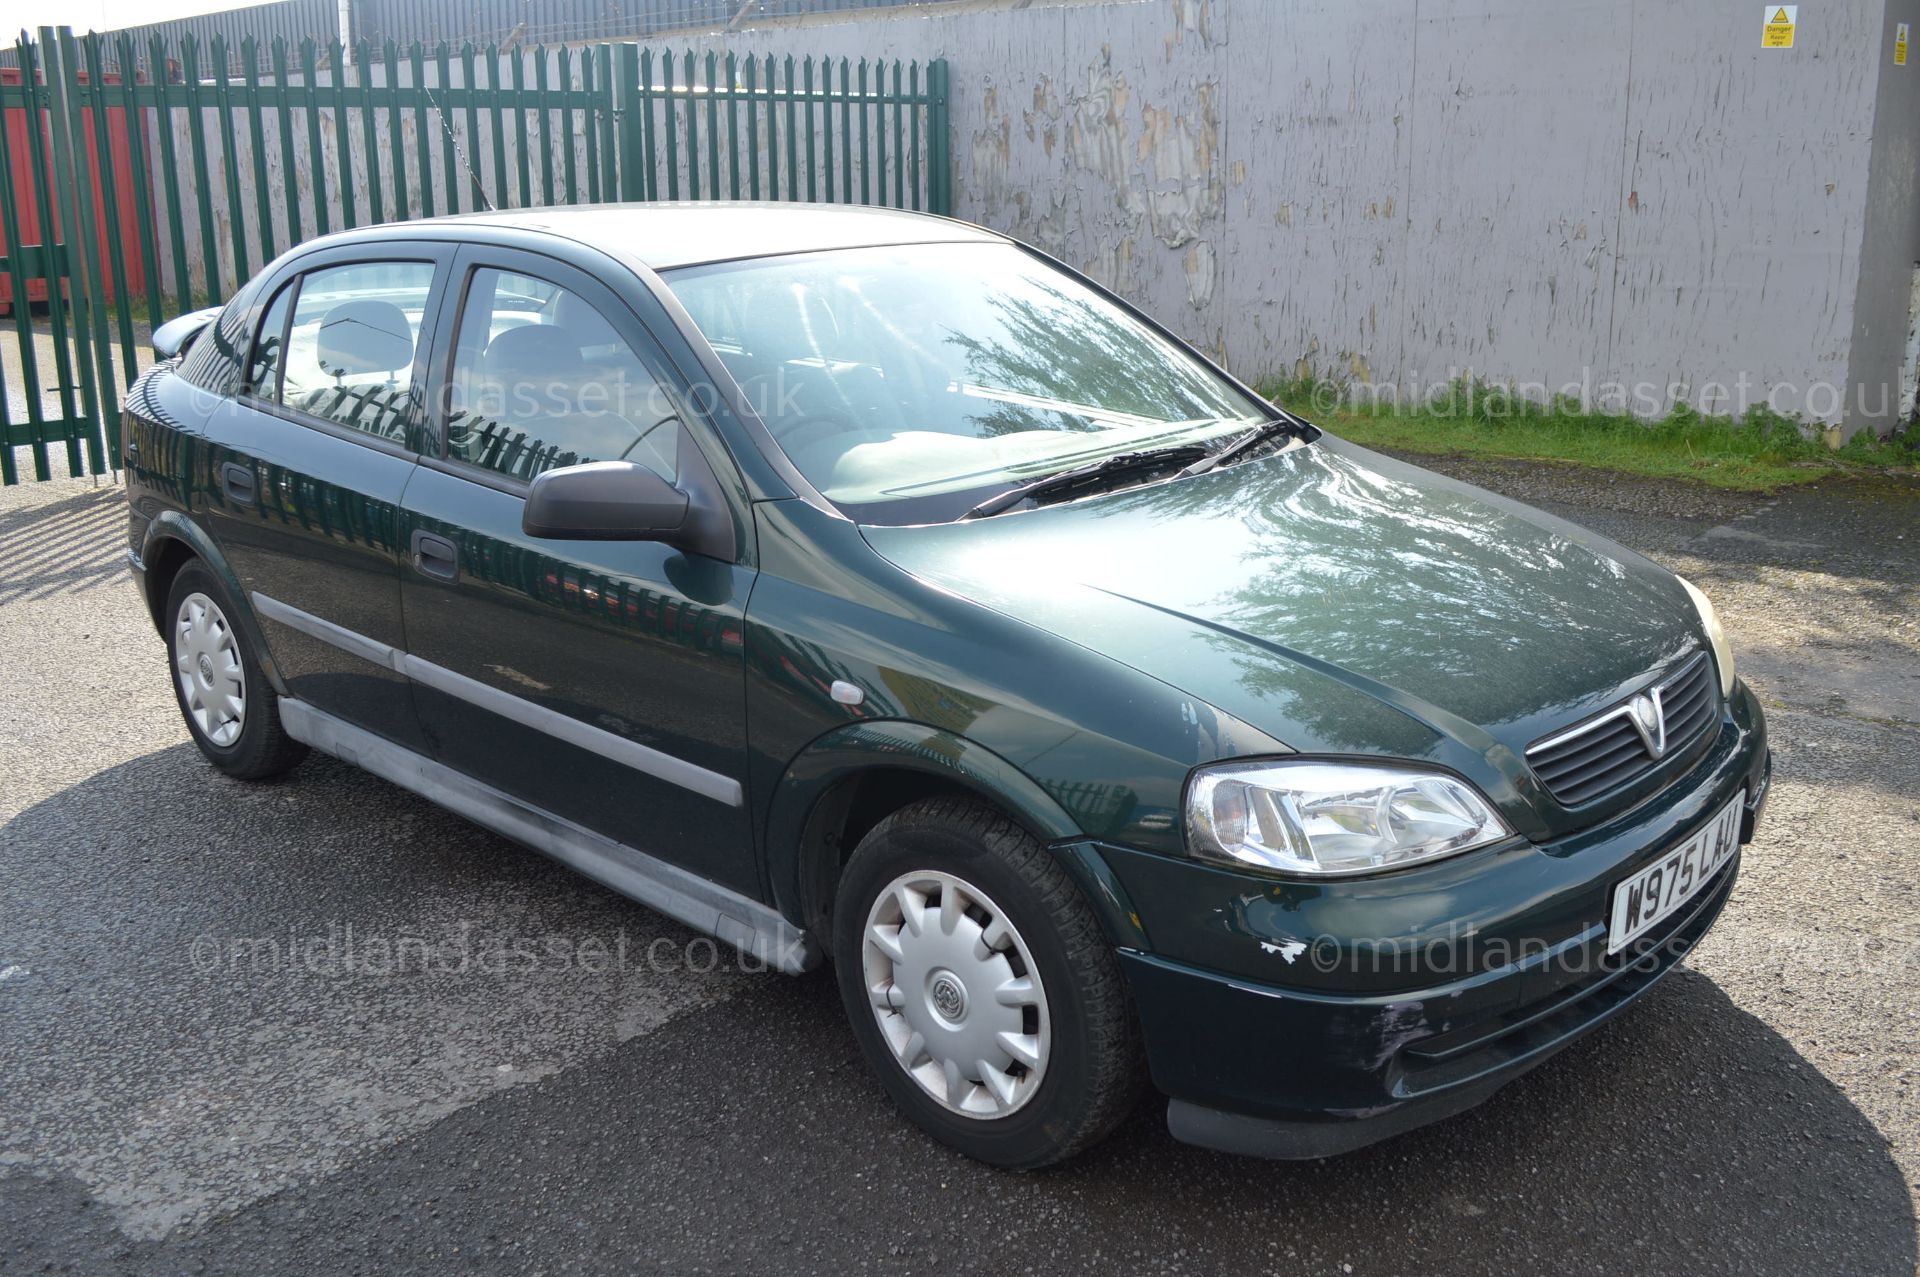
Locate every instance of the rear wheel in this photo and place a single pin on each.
(232, 713)
(980, 987)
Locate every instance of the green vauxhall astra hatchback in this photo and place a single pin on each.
(865, 587)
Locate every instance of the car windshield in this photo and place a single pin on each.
(909, 382)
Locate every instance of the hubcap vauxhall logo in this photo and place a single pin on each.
(949, 999)
(1650, 720)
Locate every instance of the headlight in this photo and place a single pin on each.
(1716, 635)
(1333, 818)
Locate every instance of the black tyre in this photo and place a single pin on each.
(229, 708)
(981, 988)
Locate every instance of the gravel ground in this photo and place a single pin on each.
(321, 1026)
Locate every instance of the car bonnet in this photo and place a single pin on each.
(1337, 599)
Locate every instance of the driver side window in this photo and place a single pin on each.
(542, 380)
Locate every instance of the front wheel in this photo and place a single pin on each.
(980, 987)
(233, 715)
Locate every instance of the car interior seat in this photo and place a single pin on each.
(358, 338)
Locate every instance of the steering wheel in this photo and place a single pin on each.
(790, 433)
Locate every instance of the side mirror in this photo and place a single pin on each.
(604, 501)
(172, 337)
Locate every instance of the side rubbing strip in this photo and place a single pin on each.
(651, 762)
(327, 632)
(678, 893)
(666, 767)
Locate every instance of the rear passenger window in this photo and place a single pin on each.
(349, 351)
(541, 379)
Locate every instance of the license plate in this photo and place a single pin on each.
(1669, 882)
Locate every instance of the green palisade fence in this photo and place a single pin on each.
(171, 172)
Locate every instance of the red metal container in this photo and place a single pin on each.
(25, 183)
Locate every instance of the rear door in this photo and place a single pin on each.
(307, 462)
(603, 681)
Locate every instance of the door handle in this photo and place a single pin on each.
(237, 482)
(435, 556)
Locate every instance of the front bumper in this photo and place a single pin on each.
(1304, 1020)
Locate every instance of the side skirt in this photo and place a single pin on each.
(747, 925)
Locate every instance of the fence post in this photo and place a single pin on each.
(73, 184)
(629, 121)
(939, 142)
(114, 223)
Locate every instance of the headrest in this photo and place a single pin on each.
(579, 316)
(532, 352)
(364, 336)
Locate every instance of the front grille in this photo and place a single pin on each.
(1612, 749)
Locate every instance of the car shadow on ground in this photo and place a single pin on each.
(745, 1131)
(1690, 1138)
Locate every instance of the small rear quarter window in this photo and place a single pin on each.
(213, 359)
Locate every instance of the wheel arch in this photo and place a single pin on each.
(174, 540)
(853, 777)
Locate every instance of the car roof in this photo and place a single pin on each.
(664, 236)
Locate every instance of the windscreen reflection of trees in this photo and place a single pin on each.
(935, 318)
(1059, 344)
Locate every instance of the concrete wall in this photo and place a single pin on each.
(1629, 198)
(1886, 325)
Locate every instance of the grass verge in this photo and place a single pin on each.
(1760, 452)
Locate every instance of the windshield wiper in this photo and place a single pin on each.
(1248, 442)
(1089, 475)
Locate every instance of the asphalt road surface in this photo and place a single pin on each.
(320, 1026)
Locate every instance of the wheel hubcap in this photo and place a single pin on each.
(206, 661)
(956, 994)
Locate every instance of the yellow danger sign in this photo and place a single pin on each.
(1781, 19)
(1900, 45)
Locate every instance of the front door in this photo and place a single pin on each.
(306, 465)
(603, 681)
